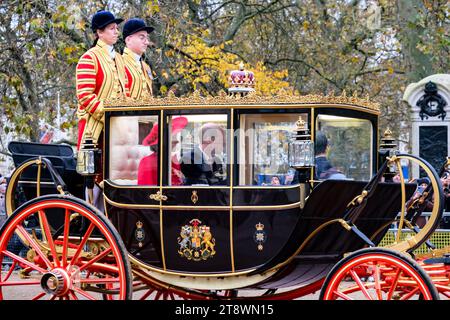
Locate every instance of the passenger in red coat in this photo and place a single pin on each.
(148, 169)
(148, 166)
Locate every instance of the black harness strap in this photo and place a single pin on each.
(56, 177)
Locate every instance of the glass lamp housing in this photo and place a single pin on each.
(301, 154)
(87, 157)
(301, 148)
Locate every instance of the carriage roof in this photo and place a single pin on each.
(251, 100)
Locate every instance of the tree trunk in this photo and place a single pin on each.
(410, 33)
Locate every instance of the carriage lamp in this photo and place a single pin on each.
(301, 148)
(88, 156)
(301, 157)
(387, 149)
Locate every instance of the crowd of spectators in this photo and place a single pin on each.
(3, 183)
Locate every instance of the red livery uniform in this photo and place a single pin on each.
(98, 77)
(139, 76)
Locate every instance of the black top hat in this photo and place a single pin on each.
(135, 25)
(102, 18)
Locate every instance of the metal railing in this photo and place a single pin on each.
(440, 238)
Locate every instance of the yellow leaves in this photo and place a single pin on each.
(80, 25)
(152, 7)
(305, 25)
(269, 82)
(14, 81)
(428, 5)
(61, 9)
(169, 53)
(354, 59)
(390, 70)
(201, 63)
(69, 50)
(35, 22)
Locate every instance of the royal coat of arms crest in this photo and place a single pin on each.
(196, 241)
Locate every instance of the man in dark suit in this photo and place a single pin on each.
(202, 164)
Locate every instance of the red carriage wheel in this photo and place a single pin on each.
(378, 274)
(74, 252)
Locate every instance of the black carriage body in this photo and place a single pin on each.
(250, 223)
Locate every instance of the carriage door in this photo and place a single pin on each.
(132, 175)
(266, 192)
(196, 191)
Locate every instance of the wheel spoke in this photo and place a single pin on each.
(48, 236)
(342, 295)
(35, 246)
(19, 283)
(443, 289)
(360, 284)
(158, 295)
(97, 258)
(10, 271)
(147, 294)
(377, 282)
(394, 284)
(84, 294)
(39, 296)
(81, 245)
(65, 237)
(104, 267)
(25, 262)
(74, 296)
(100, 280)
(410, 294)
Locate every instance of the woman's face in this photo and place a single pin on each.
(110, 34)
(176, 145)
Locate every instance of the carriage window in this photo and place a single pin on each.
(198, 150)
(263, 148)
(133, 150)
(343, 148)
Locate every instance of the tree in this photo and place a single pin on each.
(306, 46)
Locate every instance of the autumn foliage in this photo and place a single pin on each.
(373, 48)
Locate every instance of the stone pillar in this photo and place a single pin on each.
(430, 119)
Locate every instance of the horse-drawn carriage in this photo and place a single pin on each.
(219, 198)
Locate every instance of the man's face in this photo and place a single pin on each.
(138, 42)
(213, 142)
